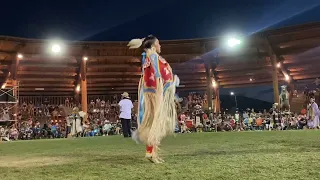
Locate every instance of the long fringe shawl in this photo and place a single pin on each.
(165, 119)
(159, 118)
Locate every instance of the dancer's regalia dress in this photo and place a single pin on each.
(313, 114)
(157, 109)
(76, 119)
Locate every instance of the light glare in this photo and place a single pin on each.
(233, 41)
(278, 65)
(85, 58)
(56, 48)
(78, 88)
(287, 77)
(214, 84)
(20, 56)
(231, 93)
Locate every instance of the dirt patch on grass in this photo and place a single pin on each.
(31, 161)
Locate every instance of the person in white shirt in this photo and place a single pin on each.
(125, 114)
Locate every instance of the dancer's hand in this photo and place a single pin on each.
(176, 80)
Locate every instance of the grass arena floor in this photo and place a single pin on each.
(227, 155)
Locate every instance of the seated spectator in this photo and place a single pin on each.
(107, 128)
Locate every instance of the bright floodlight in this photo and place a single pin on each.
(85, 58)
(20, 56)
(287, 77)
(214, 84)
(56, 48)
(231, 93)
(233, 42)
(278, 65)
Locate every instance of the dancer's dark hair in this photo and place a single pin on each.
(148, 42)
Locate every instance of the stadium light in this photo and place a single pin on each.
(287, 77)
(19, 56)
(214, 84)
(3, 85)
(56, 48)
(278, 65)
(235, 98)
(233, 42)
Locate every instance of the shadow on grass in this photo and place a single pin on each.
(243, 152)
(296, 144)
(117, 159)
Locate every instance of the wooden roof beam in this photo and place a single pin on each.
(303, 67)
(176, 57)
(135, 87)
(45, 89)
(115, 84)
(304, 72)
(138, 65)
(43, 85)
(294, 50)
(41, 79)
(44, 78)
(46, 73)
(302, 60)
(47, 93)
(133, 79)
(292, 29)
(113, 73)
(55, 65)
(299, 42)
(309, 76)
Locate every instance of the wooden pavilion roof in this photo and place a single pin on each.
(113, 68)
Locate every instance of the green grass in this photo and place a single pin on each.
(228, 155)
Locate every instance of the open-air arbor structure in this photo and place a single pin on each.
(57, 68)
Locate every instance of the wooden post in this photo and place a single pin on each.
(84, 95)
(14, 70)
(15, 95)
(275, 81)
(217, 101)
(209, 84)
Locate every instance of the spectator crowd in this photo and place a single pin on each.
(46, 120)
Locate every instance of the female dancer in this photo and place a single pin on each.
(157, 110)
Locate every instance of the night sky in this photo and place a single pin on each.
(102, 20)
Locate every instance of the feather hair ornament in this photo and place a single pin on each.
(135, 43)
